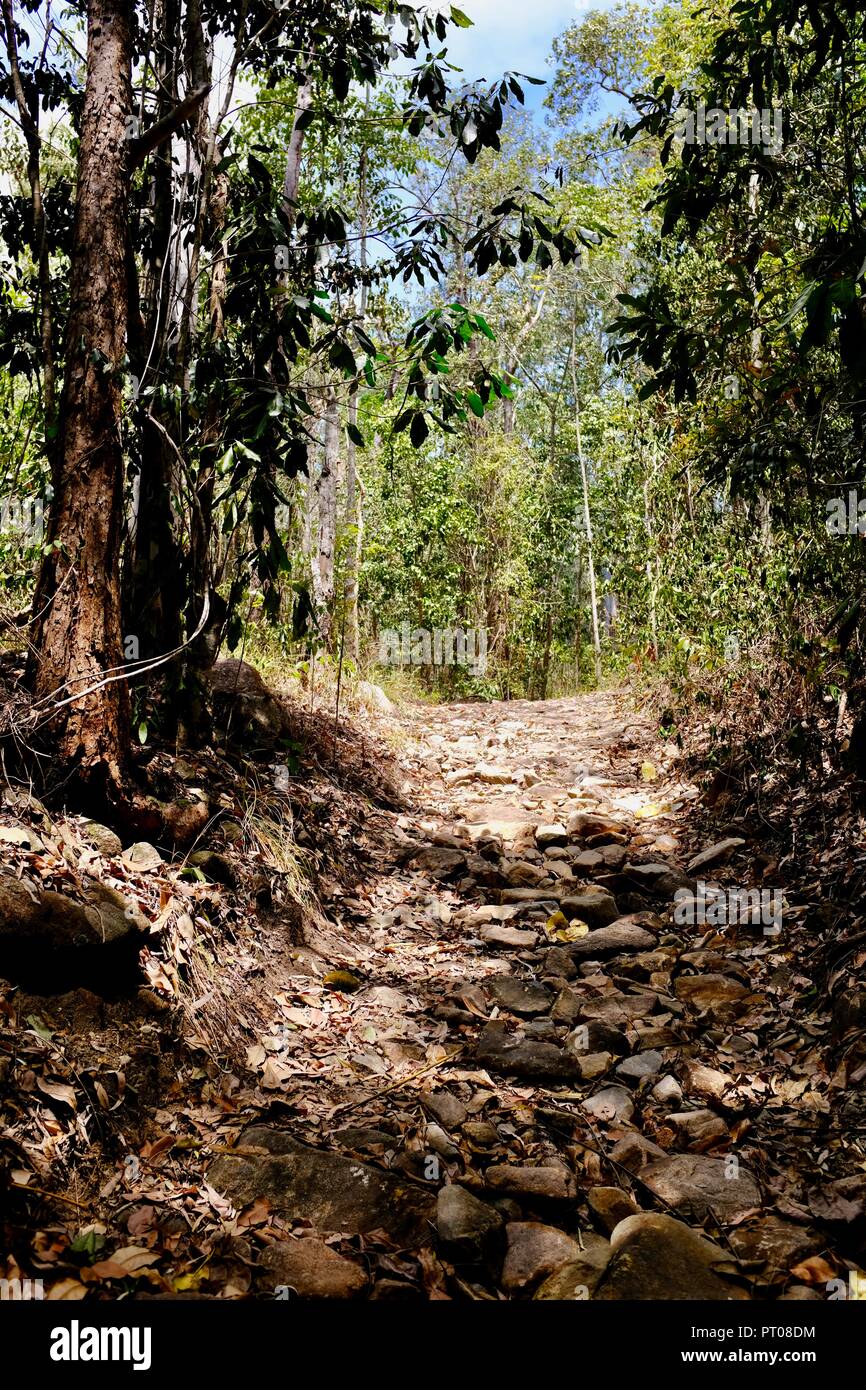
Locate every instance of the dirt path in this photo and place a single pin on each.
(506, 1061)
(533, 1050)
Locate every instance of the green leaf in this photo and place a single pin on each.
(142, 731)
(88, 1242)
(460, 19)
(476, 405)
(355, 435)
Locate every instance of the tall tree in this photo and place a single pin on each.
(77, 605)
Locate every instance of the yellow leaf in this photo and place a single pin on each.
(648, 772)
(557, 921)
(652, 808)
(558, 927)
(190, 1281)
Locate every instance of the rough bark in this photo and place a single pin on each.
(77, 609)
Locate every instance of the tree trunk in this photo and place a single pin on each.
(326, 518)
(587, 517)
(28, 112)
(77, 606)
(651, 572)
(153, 589)
(354, 482)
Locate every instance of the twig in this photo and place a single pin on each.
(398, 1085)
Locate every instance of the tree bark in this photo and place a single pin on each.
(77, 606)
(153, 589)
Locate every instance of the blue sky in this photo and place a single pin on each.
(513, 34)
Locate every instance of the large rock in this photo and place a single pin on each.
(244, 707)
(509, 938)
(597, 1036)
(715, 854)
(660, 880)
(697, 1186)
(553, 834)
(513, 1180)
(104, 839)
(519, 996)
(468, 1228)
(46, 934)
(610, 1205)
(519, 1056)
(714, 994)
(621, 936)
(656, 1257)
(534, 1252)
(441, 862)
(583, 824)
(311, 1269)
(143, 857)
(333, 1193)
(619, 1009)
(594, 906)
(610, 1105)
(636, 1069)
(445, 1108)
(521, 874)
(579, 1278)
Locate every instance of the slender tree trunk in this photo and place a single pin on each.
(651, 576)
(292, 173)
(587, 521)
(77, 609)
(29, 116)
(153, 589)
(326, 515)
(354, 483)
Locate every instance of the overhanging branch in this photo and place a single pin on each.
(143, 144)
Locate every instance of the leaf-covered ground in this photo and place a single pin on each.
(485, 1059)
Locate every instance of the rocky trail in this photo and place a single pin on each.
(523, 1050)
